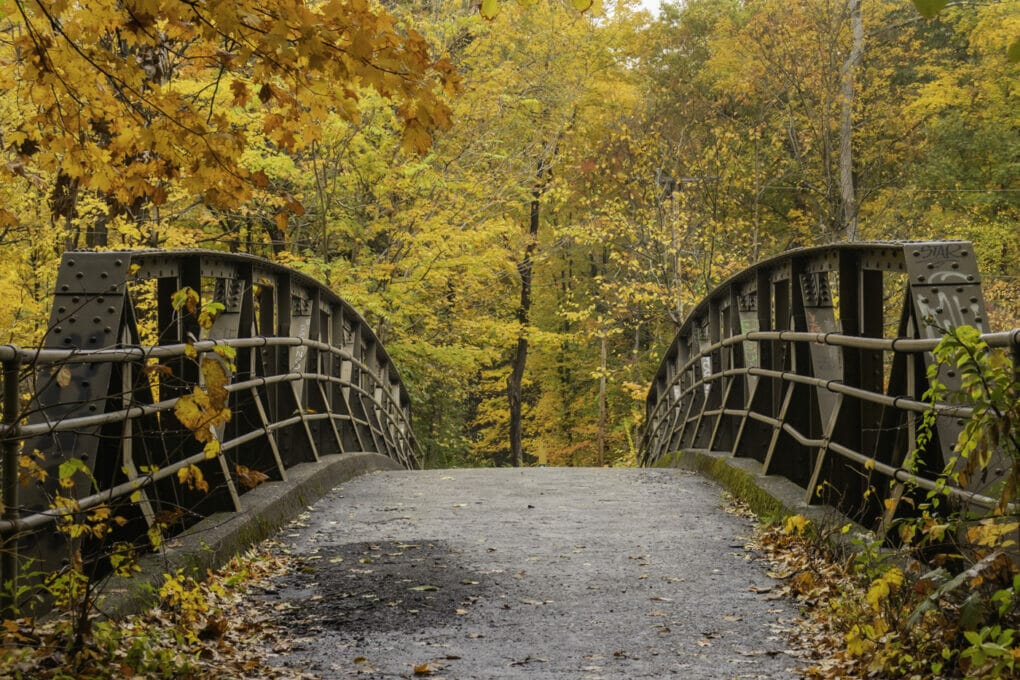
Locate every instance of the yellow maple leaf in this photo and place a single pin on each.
(190, 414)
(212, 449)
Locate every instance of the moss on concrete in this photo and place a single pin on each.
(739, 482)
(771, 497)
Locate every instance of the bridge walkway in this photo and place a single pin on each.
(537, 573)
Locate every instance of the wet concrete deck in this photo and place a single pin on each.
(536, 573)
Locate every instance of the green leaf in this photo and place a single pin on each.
(929, 8)
(186, 298)
(972, 611)
(72, 465)
(1013, 53)
(489, 9)
(425, 588)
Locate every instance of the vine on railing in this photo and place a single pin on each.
(988, 387)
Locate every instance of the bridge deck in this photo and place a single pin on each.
(538, 573)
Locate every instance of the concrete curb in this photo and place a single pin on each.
(217, 538)
(771, 497)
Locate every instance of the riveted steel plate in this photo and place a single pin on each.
(88, 312)
(229, 292)
(89, 301)
(883, 259)
(747, 296)
(941, 307)
(946, 292)
(300, 302)
(154, 267)
(815, 289)
(217, 267)
(941, 263)
(826, 262)
(781, 272)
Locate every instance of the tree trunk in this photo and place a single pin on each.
(602, 399)
(513, 383)
(848, 193)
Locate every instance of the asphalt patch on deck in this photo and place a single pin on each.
(361, 588)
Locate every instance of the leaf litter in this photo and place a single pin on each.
(225, 632)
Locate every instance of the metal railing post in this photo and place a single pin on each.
(1015, 342)
(11, 502)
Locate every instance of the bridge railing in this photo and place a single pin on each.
(89, 419)
(814, 364)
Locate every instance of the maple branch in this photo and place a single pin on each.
(124, 86)
(216, 89)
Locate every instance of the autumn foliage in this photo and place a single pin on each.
(419, 158)
(396, 153)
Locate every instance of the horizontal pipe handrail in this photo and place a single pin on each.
(834, 386)
(907, 345)
(37, 520)
(838, 387)
(174, 351)
(900, 474)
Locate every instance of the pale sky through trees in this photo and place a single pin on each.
(652, 6)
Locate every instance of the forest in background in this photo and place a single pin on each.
(425, 162)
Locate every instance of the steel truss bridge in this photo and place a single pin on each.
(813, 364)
